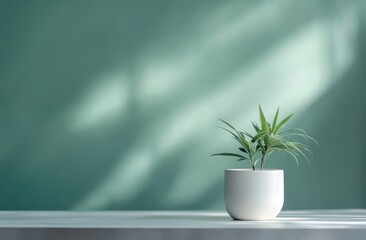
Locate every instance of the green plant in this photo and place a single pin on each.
(267, 139)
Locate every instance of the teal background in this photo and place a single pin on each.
(109, 104)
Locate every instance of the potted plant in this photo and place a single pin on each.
(258, 194)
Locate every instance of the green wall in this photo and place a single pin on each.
(109, 104)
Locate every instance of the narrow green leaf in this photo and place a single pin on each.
(281, 123)
(243, 150)
(275, 118)
(256, 161)
(281, 146)
(256, 128)
(240, 142)
(269, 127)
(228, 154)
(258, 136)
(263, 119)
(252, 148)
(289, 152)
(296, 134)
(243, 141)
(303, 135)
(293, 130)
(237, 138)
(228, 124)
(247, 134)
(258, 147)
(304, 147)
(241, 135)
(227, 131)
(280, 143)
(307, 137)
(297, 149)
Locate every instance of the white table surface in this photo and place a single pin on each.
(307, 224)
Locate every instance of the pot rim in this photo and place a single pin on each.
(253, 171)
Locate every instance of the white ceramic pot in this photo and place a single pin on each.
(253, 195)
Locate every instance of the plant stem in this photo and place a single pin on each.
(251, 161)
(262, 161)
